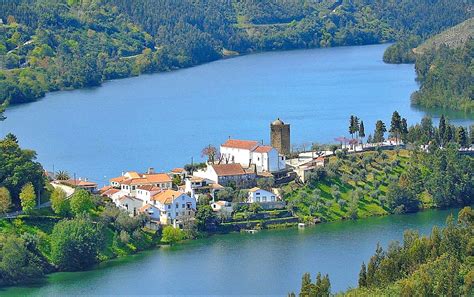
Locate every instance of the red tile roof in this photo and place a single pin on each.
(263, 149)
(167, 196)
(240, 144)
(228, 169)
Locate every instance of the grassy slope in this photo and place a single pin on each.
(453, 37)
(368, 205)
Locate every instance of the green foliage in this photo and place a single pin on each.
(81, 202)
(5, 200)
(446, 78)
(206, 219)
(75, 244)
(59, 203)
(320, 288)
(438, 265)
(18, 167)
(172, 235)
(40, 52)
(28, 198)
(20, 261)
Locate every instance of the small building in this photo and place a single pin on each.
(257, 195)
(222, 207)
(81, 184)
(130, 204)
(150, 210)
(130, 181)
(195, 186)
(175, 208)
(251, 152)
(226, 174)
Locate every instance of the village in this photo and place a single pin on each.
(256, 170)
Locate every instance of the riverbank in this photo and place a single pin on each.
(268, 262)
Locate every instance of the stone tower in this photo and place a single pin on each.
(280, 136)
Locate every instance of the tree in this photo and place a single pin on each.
(59, 203)
(362, 131)
(210, 152)
(363, 276)
(62, 175)
(255, 207)
(404, 130)
(75, 243)
(206, 218)
(380, 130)
(5, 200)
(395, 125)
(172, 235)
(3, 107)
(461, 137)
(18, 167)
(266, 183)
(442, 129)
(28, 198)
(81, 202)
(20, 261)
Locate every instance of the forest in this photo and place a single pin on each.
(48, 45)
(440, 264)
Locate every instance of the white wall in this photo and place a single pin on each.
(261, 196)
(241, 156)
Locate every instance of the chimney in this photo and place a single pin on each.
(151, 170)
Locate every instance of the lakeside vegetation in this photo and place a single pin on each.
(441, 264)
(443, 66)
(52, 45)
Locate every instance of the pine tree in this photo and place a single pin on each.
(442, 129)
(395, 125)
(305, 285)
(380, 130)
(461, 137)
(404, 130)
(363, 276)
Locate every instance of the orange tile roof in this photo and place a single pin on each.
(228, 169)
(143, 179)
(110, 192)
(79, 183)
(263, 149)
(177, 170)
(254, 189)
(105, 189)
(240, 144)
(149, 188)
(167, 196)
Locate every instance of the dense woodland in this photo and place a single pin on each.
(437, 265)
(48, 45)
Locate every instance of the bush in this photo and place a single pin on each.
(172, 235)
(75, 244)
(20, 261)
(81, 202)
(59, 203)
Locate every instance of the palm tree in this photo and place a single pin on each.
(62, 175)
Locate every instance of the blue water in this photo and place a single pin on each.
(267, 263)
(163, 120)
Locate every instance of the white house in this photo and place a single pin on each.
(130, 181)
(224, 207)
(260, 196)
(151, 210)
(224, 174)
(175, 207)
(130, 204)
(250, 152)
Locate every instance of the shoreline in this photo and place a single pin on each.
(110, 263)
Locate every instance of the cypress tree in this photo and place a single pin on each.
(442, 128)
(363, 276)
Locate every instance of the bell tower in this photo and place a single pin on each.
(280, 136)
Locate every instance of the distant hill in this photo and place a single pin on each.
(453, 37)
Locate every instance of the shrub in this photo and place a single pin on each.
(172, 235)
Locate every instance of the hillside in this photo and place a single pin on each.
(48, 45)
(454, 37)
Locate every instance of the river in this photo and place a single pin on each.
(163, 120)
(267, 263)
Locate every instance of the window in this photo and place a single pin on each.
(169, 206)
(273, 198)
(264, 199)
(257, 194)
(183, 206)
(258, 199)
